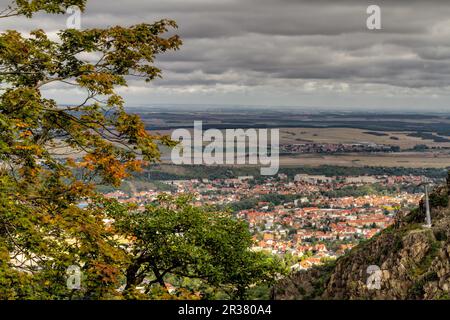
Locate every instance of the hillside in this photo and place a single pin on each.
(414, 262)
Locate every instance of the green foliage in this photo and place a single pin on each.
(272, 199)
(439, 199)
(320, 281)
(173, 238)
(30, 7)
(359, 191)
(415, 216)
(444, 296)
(42, 228)
(172, 172)
(422, 267)
(259, 292)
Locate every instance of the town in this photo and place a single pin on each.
(307, 220)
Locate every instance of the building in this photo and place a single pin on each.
(361, 179)
(312, 179)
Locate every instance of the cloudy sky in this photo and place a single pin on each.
(312, 53)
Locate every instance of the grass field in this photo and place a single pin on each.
(407, 159)
(404, 159)
(347, 135)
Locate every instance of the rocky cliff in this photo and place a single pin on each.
(407, 261)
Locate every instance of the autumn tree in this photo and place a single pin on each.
(42, 144)
(53, 155)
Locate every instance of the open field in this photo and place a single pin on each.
(404, 159)
(392, 160)
(407, 159)
(349, 135)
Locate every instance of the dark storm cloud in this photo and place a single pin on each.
(286, 42)
(307, 40)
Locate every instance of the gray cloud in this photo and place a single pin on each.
(299, 50)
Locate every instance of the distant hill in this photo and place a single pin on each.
(414, 262)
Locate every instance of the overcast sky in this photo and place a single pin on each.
(313, 53)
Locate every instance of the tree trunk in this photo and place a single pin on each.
(159, 277)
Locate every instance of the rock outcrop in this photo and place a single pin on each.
(411, 262)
